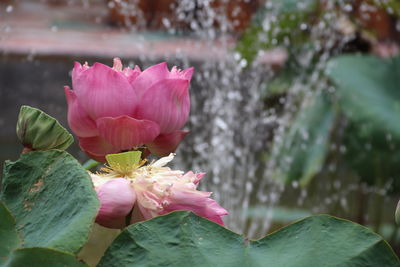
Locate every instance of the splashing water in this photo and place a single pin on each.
(232, 126)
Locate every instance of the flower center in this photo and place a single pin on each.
(124, 164)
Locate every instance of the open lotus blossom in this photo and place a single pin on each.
(151, 190)
(118, 109)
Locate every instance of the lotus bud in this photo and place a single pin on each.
(38, 131)
(117, 109)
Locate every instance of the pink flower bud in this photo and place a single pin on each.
(116, 201)
(117, 109)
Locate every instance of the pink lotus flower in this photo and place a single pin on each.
(116, 109)
(152, 190)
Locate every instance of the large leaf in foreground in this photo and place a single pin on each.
(304, 146)
(52, 199)
(43, 257)
(12, 255)
(8, 234)
(369, 90)
(184, 239)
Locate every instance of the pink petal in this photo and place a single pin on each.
(149, 77)
(194, 177)
(125, 133)
(104, 92)
(156, 73)
(96, 147)
(117, 64)
(79, 121)
(196, 201)
(149, 204)
(132, 74)
(181, 74)
(188, 73)
(148, 200)
(167, 102)
(165, 144)
(77, 71)
(117, 198)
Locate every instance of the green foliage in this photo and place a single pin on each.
(304, 146)
(13, 255)
(184, 239)
(373, 156)
(392, 6)
(89, 164)
(285, 29)
(367, 94)
(43, 257)
(52, 199)
(8, 234)
(39, 131)
(368, 89)
(283, 24)
(293, 6)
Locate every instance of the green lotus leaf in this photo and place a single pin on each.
(183, 239)
(52, 199)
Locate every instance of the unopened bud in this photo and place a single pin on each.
(38, 131)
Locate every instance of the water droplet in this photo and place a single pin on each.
(348, 8)
(9, 8)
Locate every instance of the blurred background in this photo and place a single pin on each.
(295, 103)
